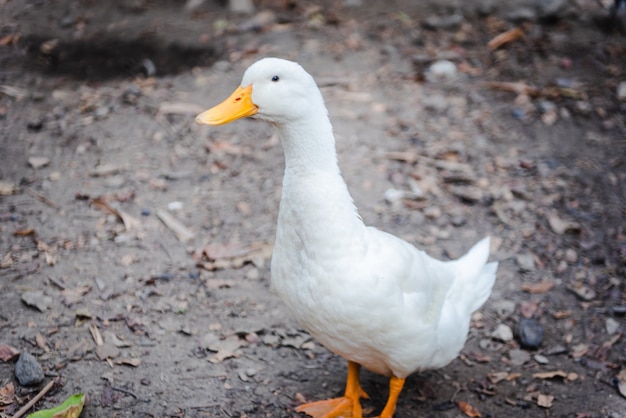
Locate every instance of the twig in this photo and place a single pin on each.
(126, 391)
(42, 198)
(504, 38)
(36, 399)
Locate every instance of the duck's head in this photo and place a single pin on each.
(272, 89)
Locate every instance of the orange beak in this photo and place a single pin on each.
(237, 106)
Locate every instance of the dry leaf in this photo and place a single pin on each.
(130, 222)
(41, 342)
(71, 296)
(38, 162)
(550, 375)
(37, 299)
(107, 351)
(7, 352)
(497, 377)
(561, 226)
(95, 334)
(538, 287)
(226, 256)
(545, 401)
(621, 382)
(7, 394)
(181, 231)
(226, 348)
(134, 362)
(468, 409)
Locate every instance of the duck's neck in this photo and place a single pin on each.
(309, 146)
(315, 198)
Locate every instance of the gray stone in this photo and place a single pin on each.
(519, 357)
(621, 91)
(530, 333)
(28, 371)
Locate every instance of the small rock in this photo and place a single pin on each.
(552, 8)
(432, 212)
(519, 357)
(621, 91)
(612, 326)
(502, 333)
(28, 371)
(175, 206)
(584, 293)
(557, 349)
(504, 307)
(521, 13)
(444, 22)
(442, 70)
(241, 6)
(541, 359)
(38, 162)
(526, 262)
(570, 256)
(436, 102)
(530, 333)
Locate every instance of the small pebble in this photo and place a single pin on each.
(621, 91)
(145, 212)
(28, 371)
(174, 206)
(519, 357)
(530, 333)
(441, 70)
(541, 359)
(502, 333)
(612, 326)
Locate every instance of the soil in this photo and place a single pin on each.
(99, 146)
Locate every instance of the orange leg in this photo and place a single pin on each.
(347, 406)
(395, 387)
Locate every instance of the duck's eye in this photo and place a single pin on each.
(275, 78)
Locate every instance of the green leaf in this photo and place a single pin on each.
(71, 408)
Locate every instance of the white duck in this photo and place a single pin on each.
(364, 294)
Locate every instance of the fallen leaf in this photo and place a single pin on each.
(468, 409)
(38, 162)
(181, 231)
(538, 287)
(7, 352)
(226, 256)
(37, 299)
(133, 362)
(226, 348)
(561, 226)
(95, 334)
(621, 382)
(7, 394)
(107, 351)
(583, 292)
(550, 375)
(71, 408)
(71, 296)
(545, 401)
(130, 222)
(496, 377)
(41, 342)
(561, 314)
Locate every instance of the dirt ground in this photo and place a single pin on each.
(152, 317)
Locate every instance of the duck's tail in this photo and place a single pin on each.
(474, 277)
